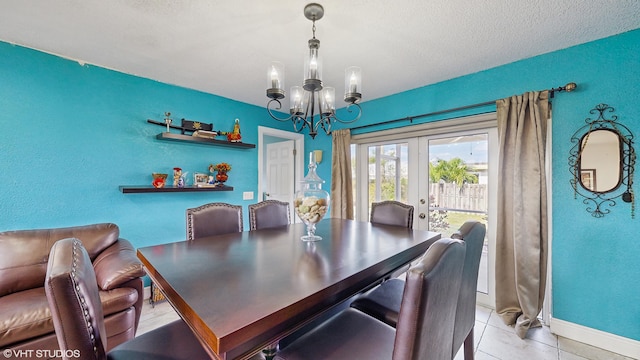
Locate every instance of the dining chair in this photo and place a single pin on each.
(425, 322)
(268, 214)
(72, 293)
(392, 212)
(213, 219)
(384, 302)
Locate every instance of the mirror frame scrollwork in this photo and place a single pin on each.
(598, 203)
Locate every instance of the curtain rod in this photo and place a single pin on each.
(568, 88)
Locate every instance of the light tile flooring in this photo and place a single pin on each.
(494, 340)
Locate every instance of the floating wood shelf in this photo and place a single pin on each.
(132, 189)
(200, 140)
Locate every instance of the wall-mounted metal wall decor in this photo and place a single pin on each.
(602, 162)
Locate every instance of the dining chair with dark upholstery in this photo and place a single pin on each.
(72, 294)
(392, 212)
(384, 301)
(213, 219)
(425, 323)
(268, 214)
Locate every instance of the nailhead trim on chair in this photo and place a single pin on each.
(253, 207)
(85, 309)
(410, 208)
(190, 216)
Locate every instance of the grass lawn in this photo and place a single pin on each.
(457, 218)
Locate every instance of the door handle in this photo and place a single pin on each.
(422, 201)
(422, 216)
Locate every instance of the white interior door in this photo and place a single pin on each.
(279, 165)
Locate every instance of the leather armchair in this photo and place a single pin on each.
(25, 317)
(269, 213)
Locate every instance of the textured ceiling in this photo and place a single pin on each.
(225, 47)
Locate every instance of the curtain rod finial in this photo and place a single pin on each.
(568, 88)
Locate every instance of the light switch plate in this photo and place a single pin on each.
(247, 195)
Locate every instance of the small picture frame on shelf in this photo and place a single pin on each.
(200, 179)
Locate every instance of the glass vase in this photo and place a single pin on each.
(222, 176)
(311, 202)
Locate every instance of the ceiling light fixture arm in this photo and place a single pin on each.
(309, 118)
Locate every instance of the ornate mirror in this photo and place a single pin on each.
(602, 162)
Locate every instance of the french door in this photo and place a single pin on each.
(449, 177)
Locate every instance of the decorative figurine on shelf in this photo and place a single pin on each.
(235, 136)
(159, 180)
(222, 169)
(167, 120)
(177, 173)
(183, 179)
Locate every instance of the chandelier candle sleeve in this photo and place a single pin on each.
(313, 67)
(275, 80)
(327, 100)
(352, 83)
(276, 75)
(297, 100)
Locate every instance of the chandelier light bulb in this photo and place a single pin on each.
(275, 82)
(313, 68)
(296, 102)
(353, 84)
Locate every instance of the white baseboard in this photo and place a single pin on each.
(604, 340)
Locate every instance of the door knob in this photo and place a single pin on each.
(422, 216)
(422, 201)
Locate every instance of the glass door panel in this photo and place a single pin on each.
(387, 173)
(449, 178)
(457, 190)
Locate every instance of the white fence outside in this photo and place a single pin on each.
(450, 196)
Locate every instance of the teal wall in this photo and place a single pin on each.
(71, 134)
(596, 276)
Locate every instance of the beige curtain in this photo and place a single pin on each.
(521, 244)
(341, 188)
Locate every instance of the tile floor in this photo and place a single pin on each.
(494, 340)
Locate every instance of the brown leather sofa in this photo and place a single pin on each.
(25, 318)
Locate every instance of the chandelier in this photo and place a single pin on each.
(312, 105)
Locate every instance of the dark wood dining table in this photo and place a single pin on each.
(243, 292)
